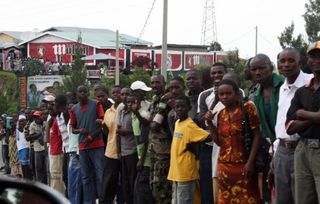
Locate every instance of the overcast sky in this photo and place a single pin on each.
(235, 20)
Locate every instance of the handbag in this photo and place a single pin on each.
(263, 157)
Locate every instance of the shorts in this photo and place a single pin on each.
(23, 156)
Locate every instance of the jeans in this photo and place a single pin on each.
(74, 180)
(92, 163)
(183, 192)
(5, 158)
(110, 181)
(206, 174)
(41, 159)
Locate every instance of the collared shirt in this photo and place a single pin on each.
(267, 124)
(306, 98)
(286, 94)
(127, 142)
(110, 121)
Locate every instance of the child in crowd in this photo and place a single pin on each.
(184, 170)
(140, 126)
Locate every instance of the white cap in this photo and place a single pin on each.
(48, 98)
(21, 117)
(140, 85)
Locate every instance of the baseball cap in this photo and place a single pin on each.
(313, 46)
(48, 98)
(37, 113)
(140, 85)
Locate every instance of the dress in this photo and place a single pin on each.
(233, 186)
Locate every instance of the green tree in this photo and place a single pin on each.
(235, 64)
(287, 39)
(312, 19)
(78, 73)
(215, 46)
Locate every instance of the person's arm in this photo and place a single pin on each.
(123, 131)
(313, 117)
(294, 122)
(213, 129)
(295, 126)
(143, 156)
(135, 110)
(249, 166)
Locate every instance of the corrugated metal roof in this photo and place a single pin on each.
(98, 38)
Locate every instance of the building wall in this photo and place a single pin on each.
(56, 51)
(6, 38)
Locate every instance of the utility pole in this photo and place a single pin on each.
(117, 81)
(256, 51)
(164, 40)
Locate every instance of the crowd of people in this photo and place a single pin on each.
(187, 145)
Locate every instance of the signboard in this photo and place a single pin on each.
(193, 59)
(38, 86)
(23, 91)
(174, 60)
(94, 74)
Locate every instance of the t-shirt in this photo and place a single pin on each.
(110, 121)
(35, 128)
(55, 139)
(136, 126)
(21, 140)
(183, 164)
(128, 142)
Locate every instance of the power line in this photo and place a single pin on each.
(268, 41)
(238, 38)
(146, 22)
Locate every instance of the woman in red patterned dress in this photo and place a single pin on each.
(238, 183)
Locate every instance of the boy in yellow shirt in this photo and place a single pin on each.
(184, 170)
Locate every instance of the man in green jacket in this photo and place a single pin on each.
(266, 100)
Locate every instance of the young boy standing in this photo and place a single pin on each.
(184, 170)
(140, 127)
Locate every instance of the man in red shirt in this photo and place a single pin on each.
(83, 116)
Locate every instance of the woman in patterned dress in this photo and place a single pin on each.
(238, 182)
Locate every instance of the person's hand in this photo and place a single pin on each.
(248, 169)
(99, 121)
(300, 114)
(209, 116)
(122, 131)
(139, 165)
(83, 131)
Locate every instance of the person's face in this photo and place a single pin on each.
(227, 95)
(82, 93)
(176, 88)
(116, 95)
(51, 107)
(260, 70)
(33, 88)
(157, 85)
(288, 63)
(38, 119)
(182, 109)
(193, 81)
(314, 61)
(216, 74)
(22, 123)
(125, 92)
(102, 97)
(131, 101)
(14, 120)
